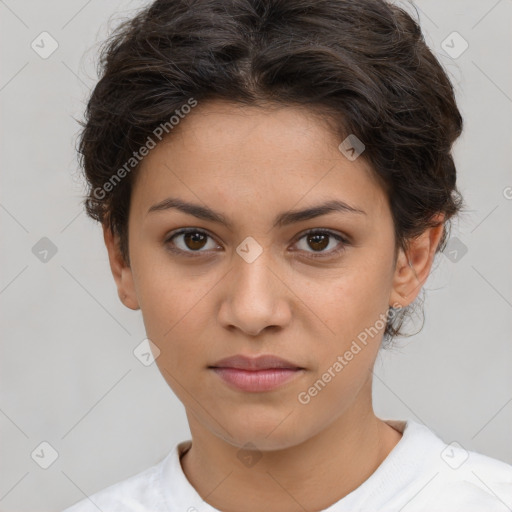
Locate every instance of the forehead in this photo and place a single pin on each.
(223, 152)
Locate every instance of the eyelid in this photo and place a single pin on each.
(184, 231)
(343, 239)
(313, 231)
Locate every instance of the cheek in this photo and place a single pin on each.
(353, 304)
(353, 300)
(172, 302)
(354, 310)
(167, 291)
(174, 312)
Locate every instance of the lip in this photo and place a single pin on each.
(263, 362)
(257, 381)
(256, 374)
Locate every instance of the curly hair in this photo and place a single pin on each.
(363, 66)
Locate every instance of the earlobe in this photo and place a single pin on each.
(121, 272)
(413, 265)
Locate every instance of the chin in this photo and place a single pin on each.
(265, 433)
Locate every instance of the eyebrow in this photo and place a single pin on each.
(283, 219)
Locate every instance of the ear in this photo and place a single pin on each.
(120, 270)
(413, 266)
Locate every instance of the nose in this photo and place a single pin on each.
(255, 296)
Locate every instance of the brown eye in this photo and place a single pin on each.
(190, 241)
(194, 240)
(316, 242)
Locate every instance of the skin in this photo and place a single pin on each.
(251, 164)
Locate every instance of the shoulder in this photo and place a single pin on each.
(468, 481)
(426, 474)
(480, 483)
(139, 490)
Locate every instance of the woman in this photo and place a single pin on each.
(274, 179)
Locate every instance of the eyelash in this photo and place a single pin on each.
(316, 231)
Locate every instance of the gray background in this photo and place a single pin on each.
(68, 373)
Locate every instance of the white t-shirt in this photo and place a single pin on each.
(420, 474)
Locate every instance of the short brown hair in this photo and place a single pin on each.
(364, 64)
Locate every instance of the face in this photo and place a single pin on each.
(252, 277)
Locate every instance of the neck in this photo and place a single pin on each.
(313, 474)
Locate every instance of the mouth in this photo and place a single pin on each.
(260, 374)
